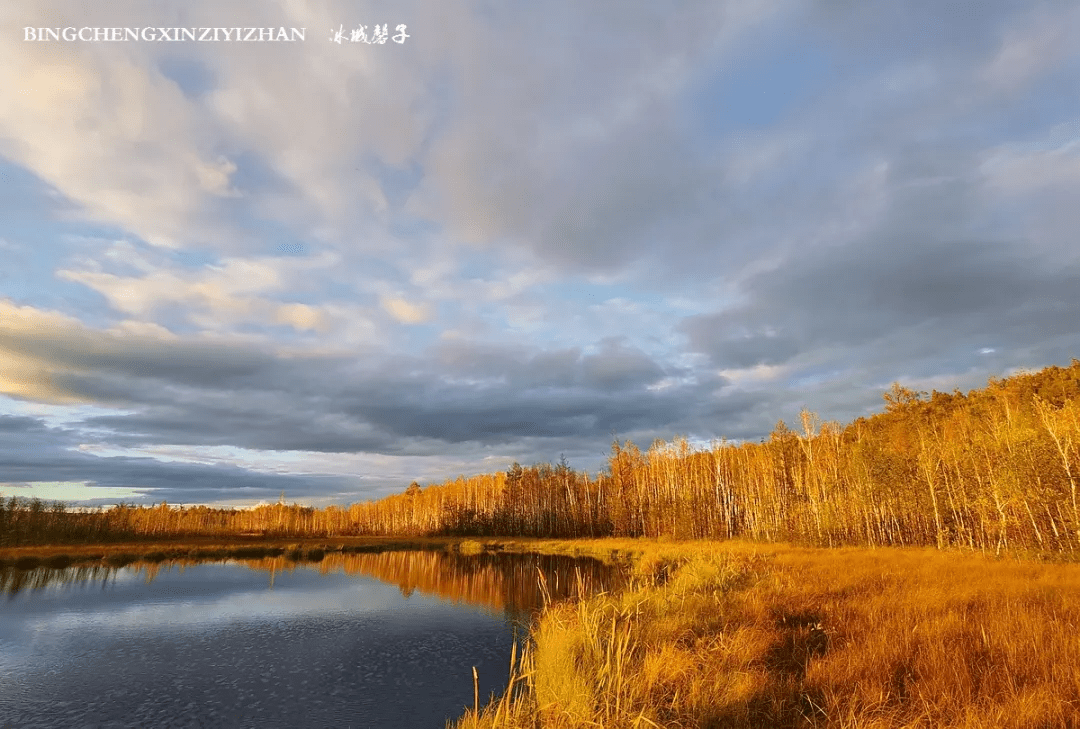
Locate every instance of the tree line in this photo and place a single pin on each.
(994, 469)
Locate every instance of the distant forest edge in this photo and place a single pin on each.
(995, 469)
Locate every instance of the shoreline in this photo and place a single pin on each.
(618, 549)
(255, 546)
(240, 546)
(745, 634)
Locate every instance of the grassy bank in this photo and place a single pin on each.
(749, 635)
(207, 548)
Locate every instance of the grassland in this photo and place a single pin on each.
(739, 634)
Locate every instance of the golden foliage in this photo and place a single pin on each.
(996, 469)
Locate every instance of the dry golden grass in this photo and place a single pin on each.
(744, 635)
(210, 548)
(469, 546)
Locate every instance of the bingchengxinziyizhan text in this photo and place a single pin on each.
(212, 35)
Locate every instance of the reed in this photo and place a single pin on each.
(469, 547)
(745, 635)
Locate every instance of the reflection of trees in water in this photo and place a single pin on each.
(13, 581)
(509, 582)
(498, 581)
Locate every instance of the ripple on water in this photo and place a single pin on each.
(216, 647)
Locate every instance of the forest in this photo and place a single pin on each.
(991, 470)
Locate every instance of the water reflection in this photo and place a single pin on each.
(356, 639)
(514, 583)
(13, 580)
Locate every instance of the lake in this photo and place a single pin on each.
(385, 639)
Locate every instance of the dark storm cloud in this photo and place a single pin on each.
(195, 363)
(719, 335)
(485, 395)
(17, 425)
(32, 451)
(615, 365)
(183, 393)
(910, 286)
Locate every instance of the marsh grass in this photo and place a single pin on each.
(29, 557)
(121, 559)
(316, 554)
(738, 635)
(468, 547)
(58, 561)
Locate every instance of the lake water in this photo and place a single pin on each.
(357, 640)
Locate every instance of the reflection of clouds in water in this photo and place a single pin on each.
(56, 608)
(53, 629)
(268, 642)
(207, 599)
(486, 583)
(163, 612)
(375, 668)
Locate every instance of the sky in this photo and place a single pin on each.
(234, 269)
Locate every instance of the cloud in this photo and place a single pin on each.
(146, 170)
(30, 452)
(520, 405)
(1038, 44)
(405, 312)
(71, 363)
(222, 288)
(526, 229)
(300, 316)
(234, 292)
(577, 172)
(214, 177)
(185, 390)
(1018, 171)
